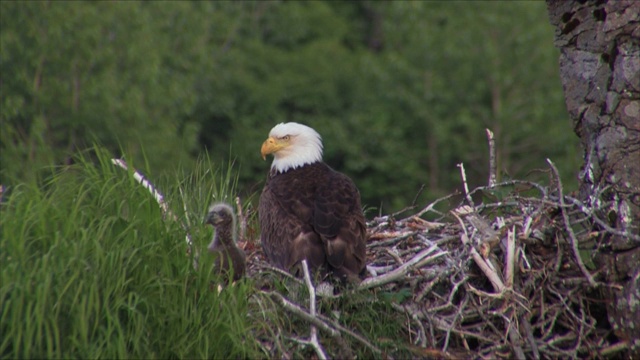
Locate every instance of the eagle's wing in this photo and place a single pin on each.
(287, 236)
(339, 221)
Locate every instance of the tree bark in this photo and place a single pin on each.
(600, 70)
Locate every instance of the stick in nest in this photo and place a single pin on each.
(329, 326)
(416, 262)
(464, 184)
(567, 225)
(242, 234)
(492, 158)
(498, 285)
(313, 341)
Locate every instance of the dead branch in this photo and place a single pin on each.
(164, 207)
(572, 235)
(313, 341)
(463, 174)
(416, 262)
(242, 220)
(492, 159)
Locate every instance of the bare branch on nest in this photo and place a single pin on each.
(510, 260)
(312, 307)
(323, 323)
(589, 212)
(416, 262)
(463, 174)
(572, 235)
(482, 264)
(492, 158)
(242, 220)
(297, 310)
(430, 207)
(264, 266)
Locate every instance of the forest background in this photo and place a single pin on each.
(400, 91)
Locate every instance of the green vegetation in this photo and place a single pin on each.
(92, 269)
(400, 91)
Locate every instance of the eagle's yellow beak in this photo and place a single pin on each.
(272, 145)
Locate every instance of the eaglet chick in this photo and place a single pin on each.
(229, 258)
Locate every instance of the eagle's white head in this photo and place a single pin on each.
(293, 145)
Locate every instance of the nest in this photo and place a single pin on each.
(512, 277)
(505, 279)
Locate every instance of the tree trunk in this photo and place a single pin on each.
(600, 70)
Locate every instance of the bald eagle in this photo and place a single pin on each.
(308, 210)
(223, 244)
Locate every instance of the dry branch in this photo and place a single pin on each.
(492, 158)
(414, 263)
(313, 341)
(164, 207)
(572, 235)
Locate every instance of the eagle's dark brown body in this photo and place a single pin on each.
(314, 213)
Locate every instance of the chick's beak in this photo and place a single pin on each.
(210, 218)
(270, 146)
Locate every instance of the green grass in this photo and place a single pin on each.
(92, 269)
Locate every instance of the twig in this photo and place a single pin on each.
(452, 293)
(514, 337)
(486, 269)
(415, 316)
(588, 211)
(453, 323)
(323, 323)
(429, 208)
(567, 224)
(265, 266)
(539, 187)
(415, 198)
(413, 203)
(147, 185)
(615, 348)
(416, 262)
(427, 288)
(302, 313)
(393, 252)
(445, 326)
(529, 334)
(243, 220)
(312, 307)
(510, 260)
(492, 158)
(375, 270)
(393, 237)
(164, 207)
(464, 184)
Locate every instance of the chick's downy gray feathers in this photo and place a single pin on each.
(229, 258)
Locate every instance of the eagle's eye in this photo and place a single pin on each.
(286, 137)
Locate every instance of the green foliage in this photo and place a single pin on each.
(91, 270)
(400, 91)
